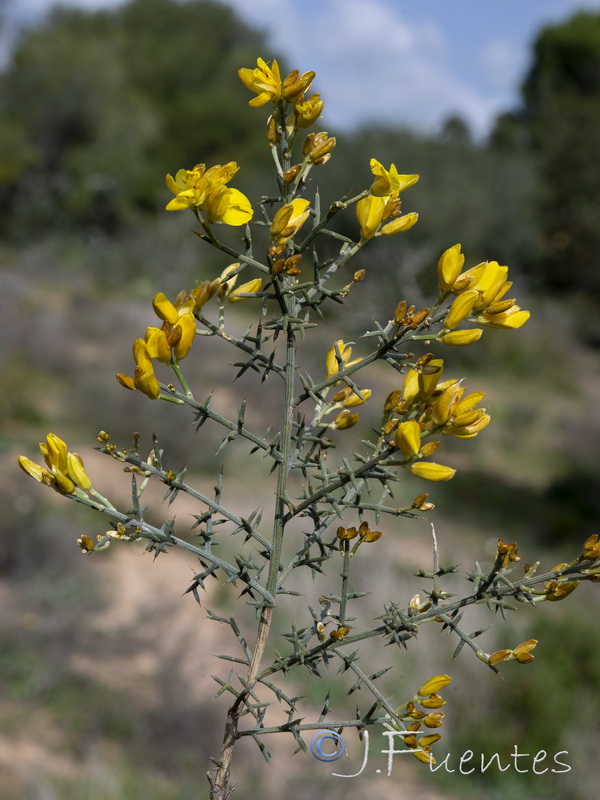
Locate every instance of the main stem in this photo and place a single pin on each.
(221, 786)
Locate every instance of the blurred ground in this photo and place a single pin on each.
(106, 688)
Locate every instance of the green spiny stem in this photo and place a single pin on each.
(315, 497)
(184, 384)
(156, 534)
(345, 578)
(351, 663)
(220, 780)
(183, 487)
(226, 423)
(574, 572)
(315, 726)
(253, 351)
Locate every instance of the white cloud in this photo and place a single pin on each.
(503, 64)
(372, 64)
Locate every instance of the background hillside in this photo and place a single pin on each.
(105, 689)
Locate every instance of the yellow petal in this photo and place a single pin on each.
(356, 400)
(434, 685)
(64, 484)
(399, 225)
(238, 211)
(187, 325)
(410, 387)
(344, 420)
(164, 308)
(449, 266)
(369, 212)
(246, 288)
(430, 471)
(461, 338)
(408, 437)
(331, 360)
(157, 345)
(77, 473)
(469, 402)
(55, 452)
(183, 200)
(461, 308)
(147, 383)
(126, 381)
(40, 474)
(140, 354)
(444, 405)
(509, 320)
(428, 380)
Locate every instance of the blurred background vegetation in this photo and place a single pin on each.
(104, 671)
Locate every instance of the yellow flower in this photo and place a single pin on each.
(389, 182)
(65, 471)
(430, 471)
(446, 402)
(265, 81)
(178, 330)
(355, 399)
(370, 213)
(433, 701)
(346, 533)
(429, 377)
(410, 387)
(332, 364)
(158, 345)
(522, 651)
(433, 685)
(408, 437)
(228, 206)
(206, 190)
(144, 379)
(449, 266)
(344, 420)
(399, 225)
(288, 220)
(185, 331)
(307, 112)
(246, 288)
(461, 308)
(510, 319)
(295, 84)
(461, 338)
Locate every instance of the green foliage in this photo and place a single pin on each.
(559, 122)
(95, 106)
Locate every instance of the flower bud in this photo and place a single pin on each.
(433, 685)
(449, 267)
(461, 338)
(430, 471)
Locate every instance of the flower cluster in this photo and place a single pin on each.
(172, 342)
(383, 202)
(363, 533)
(205, 190)
(169, 343)
(427, 697)
(64, 471)
(427, 406)
(521, 654)
(286, 222)
(268, 86)
(479, 298)
(337, 359)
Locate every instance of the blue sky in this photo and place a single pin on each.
(408, 61)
